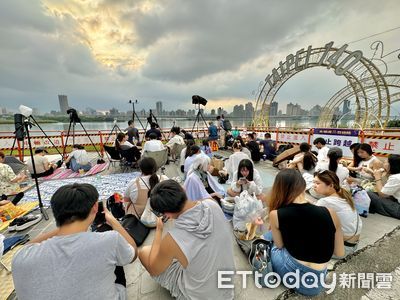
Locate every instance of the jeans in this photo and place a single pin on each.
(74, 166)
(283, 263)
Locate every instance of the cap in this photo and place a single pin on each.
(40, 150)
(336, 150)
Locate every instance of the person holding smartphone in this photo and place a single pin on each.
(78, 263)
(246, 178)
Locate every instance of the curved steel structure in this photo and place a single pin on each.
(367, 87)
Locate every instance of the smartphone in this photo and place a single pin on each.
(160, 215)
(100, 216)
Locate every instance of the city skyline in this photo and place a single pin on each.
(104, 53)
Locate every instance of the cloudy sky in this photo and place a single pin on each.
(101, 53)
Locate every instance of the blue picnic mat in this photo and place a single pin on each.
(106, 185)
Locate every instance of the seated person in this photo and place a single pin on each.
(353, 166)
(199, 183)
(187, 135)
(232, 164)
(185, 152)
(130, 152)
(269, 147)
(212, 131)
(229, 139)
(9, 182)
(305, 236)
(175, 141)
(386, 200)
(81, 264)
(305, 161)
(153, 144)
(42, 165)
(335, 154)
(254, 147)
(194, 152)
(368, 164)
(138, 189)
(187, 259)
(320, 144)
(246, 178)
(245, 150)
(78, 159)
(153, 129)
(205, 148)
(327, 183)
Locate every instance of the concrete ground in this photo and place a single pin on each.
(379, 251)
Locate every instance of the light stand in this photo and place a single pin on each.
(198, 100)
(150, 120)
(28, 124)
(74, 118)
(135, 114)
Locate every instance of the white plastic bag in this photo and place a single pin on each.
(361, 200)
(247, 209)
(148, 218)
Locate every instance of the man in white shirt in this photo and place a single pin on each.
(323, 150)
(78, 159)
(42, 165)
(153, 144)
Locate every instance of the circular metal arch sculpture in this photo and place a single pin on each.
(362, 75)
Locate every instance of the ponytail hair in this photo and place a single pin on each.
(189, 144)
(308, 161)
(334, 155)
(330, 178)
(148, 166)
(118, 140)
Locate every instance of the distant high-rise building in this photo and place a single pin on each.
(346, 107)
(238, 111)
(159, 110)
(315, 110)
(219, 111)
(3, 111)
(289, 109)
(63, 100)
(273, 109)
(213, 112)
(249, 110)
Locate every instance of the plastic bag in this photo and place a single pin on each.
(247, 209)
(148, 218)
(361, 200)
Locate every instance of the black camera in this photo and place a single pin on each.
(100, 216)
(73, 115)
(196, 99)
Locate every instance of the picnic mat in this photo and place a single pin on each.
(6, 280)
(27, 207)
(62, 173)
(106, 185)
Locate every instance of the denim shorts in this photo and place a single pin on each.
(283, 263)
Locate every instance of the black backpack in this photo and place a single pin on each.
(227, 125)
(116, 208)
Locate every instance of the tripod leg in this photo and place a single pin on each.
(66, 140)
(87, 134)
(13, 145)
(42, 210)
(51, 142)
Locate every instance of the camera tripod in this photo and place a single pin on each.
(74, 118)
(115, 128)
(134, 114)
(150, 121)
(197, 121)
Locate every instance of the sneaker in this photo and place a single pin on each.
(13, 225)
(27, 221)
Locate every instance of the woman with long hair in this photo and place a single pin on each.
(305, 161)
(327, 183)
(199, 183)
(369, 162)
(305, 236)
(246, 178)
(353, 166)
(185, 153)
(335, 154)
(232, 163)
(138, 189)
(386, 200)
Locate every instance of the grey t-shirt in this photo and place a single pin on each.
(77, 266)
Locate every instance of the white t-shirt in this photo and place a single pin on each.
(80, 156)
(347, 216)
(131, 191)
(341, 171)
(176, 139)
(153, 146)
(392, 186)
(41, 164)
(232, 164)
(323, 154)
(254, 186)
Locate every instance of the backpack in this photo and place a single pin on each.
(227, 125)
(115, 205)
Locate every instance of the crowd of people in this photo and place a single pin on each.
(312, 216)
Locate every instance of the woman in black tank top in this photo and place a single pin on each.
(305, 236)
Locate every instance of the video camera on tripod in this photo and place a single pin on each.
(73, 115)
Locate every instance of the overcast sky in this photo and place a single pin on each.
(103, 53)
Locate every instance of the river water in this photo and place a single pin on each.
(163, 122)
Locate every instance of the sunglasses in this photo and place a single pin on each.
(159, 215)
